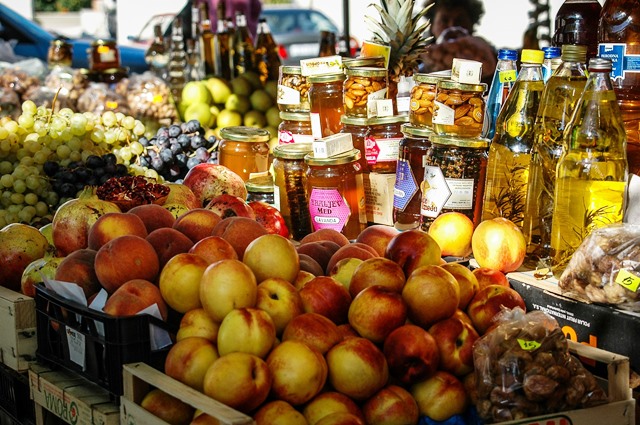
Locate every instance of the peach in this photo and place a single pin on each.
(281, 300)
(179, 281)
(329, 402)
(376, 311)
(168, 408)
(78, 267)
(377, 271)
(196, 322)
(125, 258)
(153, 216)
(189, 359)
(133, 296)
(321, 251)
(111, 225)
(487, 276)
(412, 354)
(302, 279)
(392, 405)
(168, 242)
(239, 232)
(412, 249)
(353, 250)
(452, 231)
(441, 396)
(499, 244)
(310, 265)
(325, 235)
(378, 237)
(214, 248)
(488, 302)
(467, 282)
(328, 297)
(272, 256)
(317, 331)
(197, 223)
(279, 412)
(343, 270)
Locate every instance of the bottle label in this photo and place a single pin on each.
(442, 114)
(403, 104)
(276, 197)
(316, 126)
(328, 209)
(405, 187)
(621, 62)
(508, 76)
(439, 192)
(285, 137)
(288, 96)
(381, 150)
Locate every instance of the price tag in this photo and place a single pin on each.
(508, 76)
(76, 344)
(628, 280)
(384, 107)
(158, 98)
(111, 104)
(528, 345)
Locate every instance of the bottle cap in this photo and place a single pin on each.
(532, 56)
(574, 53)
(507, 54)
(599, 64)
(551, 52)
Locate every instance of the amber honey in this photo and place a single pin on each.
(326, 104)
(244, 150)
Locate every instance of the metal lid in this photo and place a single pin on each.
(412, 131)
(292, 150)
(430, 78)
(343, 158)
(245, 134)
(263, 184)
(463, 142)
(325, 78)
(366, 72)
(532, 56)
(295, 116)
(364, 61)
(454, 85)
(289, 69)
(574, 53)
(359, 121)
(599, 64)
(394, 119)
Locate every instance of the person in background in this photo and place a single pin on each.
(453, 25)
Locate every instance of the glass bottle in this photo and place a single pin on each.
(619, 38)
(327, 43)
(177, 61)
(325, 103)
(221, 51)
(558, 101)
(157, 55)
(266, 54)
(244, 150)
(574, 24)
(592, 172)
(194, 49)
(503, 78)
(510, 151)
(241, 47)
(60, 53)
(552, 61)
(206, 40)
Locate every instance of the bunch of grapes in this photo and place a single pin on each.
(175, 149)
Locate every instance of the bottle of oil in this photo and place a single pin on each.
(266, 54)
(619, 38)
(241, 47)
(157, 55)
(574, 24)
(559, 98)
(552, 60)
(510, 151)
(206, 40)
(221, 53)
(592, 172)
(177, 61)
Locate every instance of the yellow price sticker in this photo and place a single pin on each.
(628, 280)
(103, 49)
(111, 104)
(157, 98)
(528, 345)
(508, 76)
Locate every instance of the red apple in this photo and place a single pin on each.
(412, 249)
(392, 405)
(326, 296)
(207, 181)
(441, 396)
(412, 354)
(270, 217)
(488, 302)
(499, 244)
(313, 329)
(376, 311)
(248, 330)
(226, 205)
(281, 300)
(455, 337)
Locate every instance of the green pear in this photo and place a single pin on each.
(219, 89)
(195, 92)
(273, 116)
(254, 119)
(241, 86)
(238, 103)
(228, 118)
(200, 111)
(260, 100)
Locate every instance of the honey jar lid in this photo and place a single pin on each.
(325, 78)
(245, 134)
(454, 85)
(295, 116)
(291, 69)
(413, 131)
(462, 142)
(343, 158)
(292, 150)
(372, 61)
(393, 119)
(366, 72)
(262, 184)
(430, 78)
(344, 119)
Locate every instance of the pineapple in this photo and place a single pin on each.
(403, 31)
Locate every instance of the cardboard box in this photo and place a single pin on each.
(138, 380)
(18, 329)
(71, 398)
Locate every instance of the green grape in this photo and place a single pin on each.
(20, 172)
(125, 153)
(153, 174)
(26, 214)
(27, 160)
(53, 144)
(17, 198)
(136, 148)
(110, 136)
(128, 122)
(40, 128)
(3, 220)
(12, 127)
(66, 113)
(119, 117)
(97, 135)
(6, 180)
(41, 157)
(66, 135)
(5, 145)
(42, 209)
(78, 124)
(75, 156)
(58, 124)
(33, 181)
(15, 208)
(11, 217)
(6, 167)
(19, 186)
(63, 151)
(3, 133)
(75, 144)
(109, 118)
(31, 199)
(139, 129)
(26, 121)
(123, 135)
(29, 107)
(51, 198)
(31, 145)
(21, 153)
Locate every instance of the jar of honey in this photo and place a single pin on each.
(244, 150)
(423, 93)
(60, 53)
(293, 90)
(336, 193)
(382, 143)
(295, 127)
(103, 54)
(260, 188)
(362, 87)
(325, 103)
(290, 189)
(409, 174)
(364, 61)
(459, 109)
(358, 127)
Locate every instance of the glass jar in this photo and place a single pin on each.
(369, 61)
(295, 127)
(290, 189)
(60, 53)
(336, 193)
(409, 173)
(382, 143)
(358, 127)
(260, 188)
(325, 103)
(103, 54)
(362, 86)
(454, 177)
(423, 93)
(244, 150)
(459, 109)
(293, 90)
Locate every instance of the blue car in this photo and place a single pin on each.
(33, 42)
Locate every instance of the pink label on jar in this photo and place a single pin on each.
(371, 150)
(328, 209)
(285, 137)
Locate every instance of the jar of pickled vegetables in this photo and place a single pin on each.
(459, 109)
(244, 150)
(362, 87)
(293, 90)
(325, 103)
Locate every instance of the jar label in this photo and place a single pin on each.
(372, 102)
(403, 104)
(621, 62)
(108, 56)
(276, 197)
(328, 209)
(439, 192)
(316, 125)
(285, 137)
(405, 186)
(288, 96)
(381, 150)
(443, 114)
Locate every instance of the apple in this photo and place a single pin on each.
(270, 256)
(329, 402)
(487, 276)
(440, 396)
(207, 181)
(226, 205)
(488, 302)
(377, 271)
(200, 111)
(281, 300)
(392, 405)
(452, 231)
(197, 322)
(499, 244)
(412, 354)
(219, 89)
(376, 311)
(195, 92)
(412, 249)
(179, 281)
(248, 330)
(214, 248)
(455, 337)
(166, 407)
(225, 285)
(270, 217)
(299, 372)
(326, 296)
(431, 294)
(313, 329)
(239, 380)
(357, 368)
(377, 236)
(188, 360)
(467, 282)
(279, 412)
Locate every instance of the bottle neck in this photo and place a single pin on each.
(530, 72)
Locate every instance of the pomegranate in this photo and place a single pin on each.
(181, 194)
(20, 244)
(226, 205)
(72, 220)
(37, 271)
(207, 181)
(270, 217)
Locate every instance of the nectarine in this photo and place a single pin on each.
(499, 244)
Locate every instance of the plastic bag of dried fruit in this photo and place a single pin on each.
(606, 267)
(523, 368)
(98, 98)
(149, 98)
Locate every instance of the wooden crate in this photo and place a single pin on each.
(140, 378)
(70, 397)
(18, 329)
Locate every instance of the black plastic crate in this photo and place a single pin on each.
(66, 329)
(15, 400)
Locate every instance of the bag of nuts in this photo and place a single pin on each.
(98, 97)
(523, 368)
(149, 98)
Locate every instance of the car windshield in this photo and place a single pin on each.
(287, 21)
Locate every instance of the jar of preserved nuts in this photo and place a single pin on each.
(293, 90)
(423, 94)
(295, 127)
(60, 53)
(362, 87)
(368, 61)
(290, 190)
(358, 127)
(409, 173)
(103, 54)
(244, 150)
(459, 109)
(454, 178)
(325, 103)
(260, 188)
(382, 143)
(336, 193)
